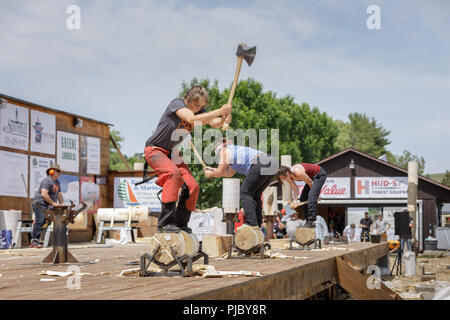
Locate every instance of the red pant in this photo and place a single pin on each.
(171, 176)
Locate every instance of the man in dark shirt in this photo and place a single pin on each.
(48, 194)
(406, 238)
(173, 174)
(365, 225)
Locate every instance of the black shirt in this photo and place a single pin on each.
(168, 124)
(367, 222)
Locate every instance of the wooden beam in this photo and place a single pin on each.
(356, 284)
(120, 153)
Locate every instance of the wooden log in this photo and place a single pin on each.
(215, 245)
(167, 241)
(247, 238)
(191, 243)
(305, 235)
(280, 243)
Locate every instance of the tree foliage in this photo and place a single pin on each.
(305, 133)
(362, 133)
(446, 179)
(115, 162)
(403, 159)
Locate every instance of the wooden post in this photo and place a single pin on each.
(286, 187)
(120, 153)
(270, 208)
(413, 181)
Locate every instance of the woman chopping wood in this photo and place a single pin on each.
(177, 121)
(259, 169)
(314, 177)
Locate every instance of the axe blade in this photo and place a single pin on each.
(248, 53)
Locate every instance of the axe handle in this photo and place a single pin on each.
(197, 155)
(306, 202)
(226, 125)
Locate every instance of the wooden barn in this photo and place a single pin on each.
(31, 137)
(358, 182)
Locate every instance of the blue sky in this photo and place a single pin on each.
(130, 58)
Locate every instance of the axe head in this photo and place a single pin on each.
(248, 53)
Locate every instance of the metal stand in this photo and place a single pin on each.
(317, 244)
(255, 250)
(340, 240)
(230, 218)
(61, 217)
(398, 263)
(184, 262)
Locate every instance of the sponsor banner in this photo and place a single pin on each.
(70, 188)
(38, 168)
(90, 191)
(12, 167)
(67, 148)
(14, 128)
(333, 188)
(90, 155)
(381, 187)
(43, 132)
(126, 193)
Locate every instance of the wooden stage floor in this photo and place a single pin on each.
(282, 278)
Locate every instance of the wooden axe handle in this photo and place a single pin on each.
(198, 155)
(226, 125)
(306, 202)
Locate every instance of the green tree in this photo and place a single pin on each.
(403, 159)
(115, 162)
(362, 133)
(305, 133)
(446, 179)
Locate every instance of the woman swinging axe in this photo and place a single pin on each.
(314, 177)
(178, 120)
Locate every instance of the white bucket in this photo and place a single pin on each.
(410, 263)
(9, 219)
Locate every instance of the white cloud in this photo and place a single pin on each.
(133, 56)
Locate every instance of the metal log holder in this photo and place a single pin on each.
(255, 250)
(61, 216)
(317, 244)
(184, 262)
(230, 218)
(335, 241)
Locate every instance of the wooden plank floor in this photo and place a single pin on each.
(20, 277)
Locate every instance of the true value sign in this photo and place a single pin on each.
(333, 188)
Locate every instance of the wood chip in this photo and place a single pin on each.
(57, 273)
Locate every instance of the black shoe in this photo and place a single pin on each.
(310, 224)
(186, 229)
(171, 228)
(160, 229)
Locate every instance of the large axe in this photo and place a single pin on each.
(243, 53)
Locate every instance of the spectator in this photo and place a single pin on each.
(406, 238)
(264, 229)
(365, 224)
(279, 229)
(349, 232)
(331, 233)
(380, 226)
(292, 223)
